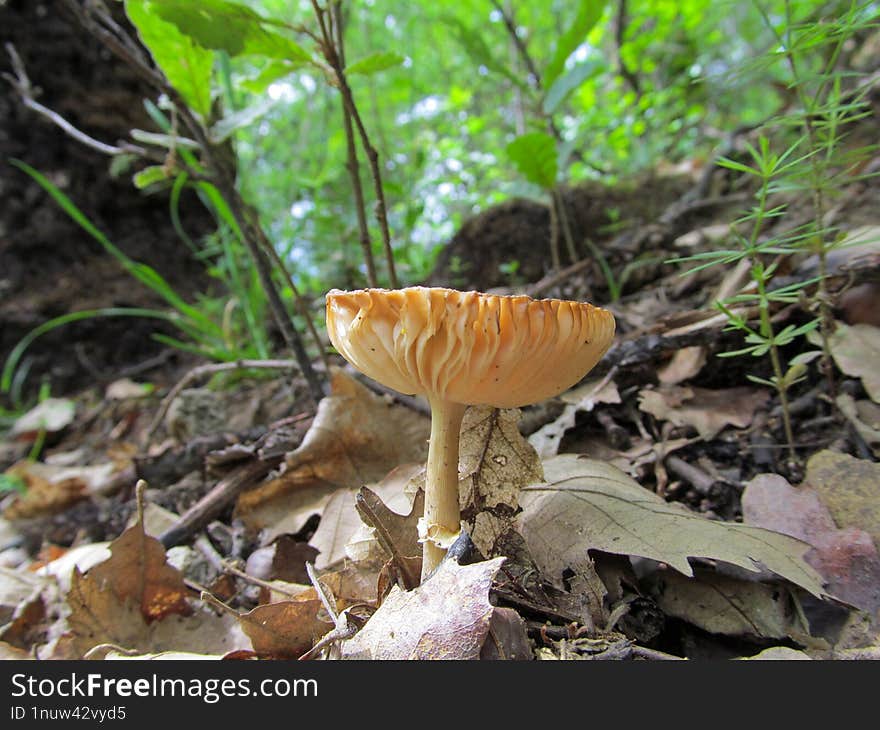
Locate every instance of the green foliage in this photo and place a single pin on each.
(186, 64)
(535, 156)
(588, 14)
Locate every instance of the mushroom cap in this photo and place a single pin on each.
(468, 347)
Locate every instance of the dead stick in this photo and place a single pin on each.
(215, 501)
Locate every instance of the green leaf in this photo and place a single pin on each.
(186, 65)
(374, 62)
(149, 175)
(228, 26)
(477, 48)
(569, 81)
(535, 156)
(589, 13)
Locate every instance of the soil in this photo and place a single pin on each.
(49, 266)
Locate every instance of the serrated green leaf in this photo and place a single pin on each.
(589, 13)
(535, 156)
(586, 504)
(228, 26)
(186, 65)
(374, 62)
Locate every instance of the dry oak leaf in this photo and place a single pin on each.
(589, 505)
(356, 438)
(708, 411)
(447, 617)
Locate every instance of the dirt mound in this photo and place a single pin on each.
(49, 266)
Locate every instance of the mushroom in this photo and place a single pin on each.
(458, 349)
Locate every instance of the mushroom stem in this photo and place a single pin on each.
(442, 517)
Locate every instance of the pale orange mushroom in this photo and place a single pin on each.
(458, 349)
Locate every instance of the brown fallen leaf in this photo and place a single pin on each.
(507, 637)
(589, 505)
(683, 365)
(137, 572)
(708, 411)
(49, 490)
(856, 351)
(356, 438)
(285, 630)
(447, 617)
(342, 519)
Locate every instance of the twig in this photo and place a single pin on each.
(372, 155)
(268, 585)
(210, 369)
(619, 32)
(22, 85)
(209, 506)
(354, 171)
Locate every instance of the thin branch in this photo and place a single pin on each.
(381, 209)
(619, 33)
(22, 85)
(352, 162)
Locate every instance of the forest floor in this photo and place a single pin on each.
(655, 511)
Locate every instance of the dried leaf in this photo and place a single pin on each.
(356, 438)
(709, 411)
(495, 461)
(507, 637)
(723, 605)
(285, 630)
(50, 415)
(684, 364)
(137, 572)
(17, 587)
(863, 415)
(588, 505)
(342, 519)
(583, 398)
(51, 489)
(98, 617)
(447, 617)
(856, 351)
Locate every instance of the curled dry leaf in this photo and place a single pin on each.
(357, 437)
(589, 505)
(708, 411)
(447, 617)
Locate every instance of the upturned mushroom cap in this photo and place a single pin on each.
(468, 347)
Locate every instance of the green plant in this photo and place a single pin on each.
(205, 335)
